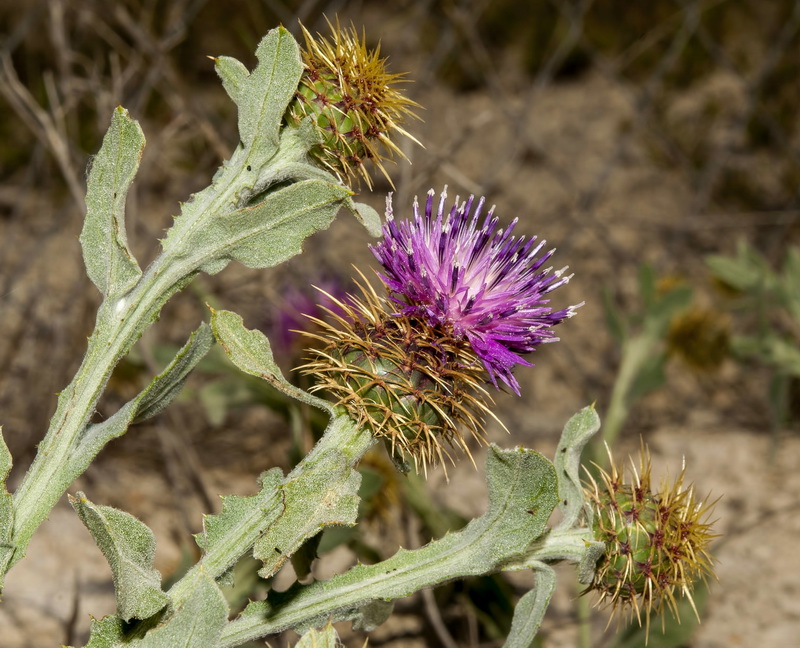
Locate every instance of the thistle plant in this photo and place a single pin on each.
(463, 302)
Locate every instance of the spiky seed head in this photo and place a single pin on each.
(700, 337)
(412, 385)
(657, 543)
(353, 102)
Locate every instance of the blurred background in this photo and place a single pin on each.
(655, 144)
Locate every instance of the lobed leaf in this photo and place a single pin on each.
(250, 351)
(324, 494)
(109, 262)
(263, 95)
(129, 546)
(237, 512)
(576, 434)
(522, 494)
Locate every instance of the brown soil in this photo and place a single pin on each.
(614, 170)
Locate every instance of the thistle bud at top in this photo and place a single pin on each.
(465, 300)
(352, 101)
(656, 542)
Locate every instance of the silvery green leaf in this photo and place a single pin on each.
(109, 262)
(161, 391)
(198, 623)
(129, 546)
(530, 609)
(238, 512)
(107, 632)
(266, 233)
(368, 216)
(263, 95)
(165, 387)
(577, 432)
(6, 504)
(325, 495)
(522, 494)
(250, 351)
(233, 74)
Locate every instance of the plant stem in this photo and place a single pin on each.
(407, 571)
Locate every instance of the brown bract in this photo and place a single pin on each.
(414, 385)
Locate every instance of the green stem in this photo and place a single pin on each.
(65, 453)
(407, 571)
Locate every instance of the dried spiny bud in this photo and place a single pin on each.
(656, 542)
(700, 337)
(412, 385)
(353, 102)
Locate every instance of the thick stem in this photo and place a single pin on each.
(61, 457)
(57, 463)
(395, 577)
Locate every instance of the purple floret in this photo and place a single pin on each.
(475, 279)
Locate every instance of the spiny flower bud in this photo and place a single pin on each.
(656, 542)
(466, 298)
(411, 385)
(350, 97)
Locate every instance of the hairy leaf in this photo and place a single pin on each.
(250, 351)
(530, 609)
(129, 546)
(577, 432)
(198, 623)
(6, 505)
(109, 262)
(161, 391)
(325, 493)
(522, 494)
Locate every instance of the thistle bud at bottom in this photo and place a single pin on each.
(656, 542)
(412, 383)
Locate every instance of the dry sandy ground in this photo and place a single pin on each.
(573, 163)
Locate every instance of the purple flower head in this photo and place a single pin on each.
(473, 278)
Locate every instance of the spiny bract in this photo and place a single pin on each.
(656, 542)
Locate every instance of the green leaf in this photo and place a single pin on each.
(530, 609)
(161, 391)
(577, 432)
(238, 511)
(109, 262)
(369, 218)
(324, 494)
(129, 546)
(748, 271)
(266, 233)
(6, 505)
(522, 494)
(198, 623)
(107, 632)
(263, 95)
(250, 351)
(233, 74)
